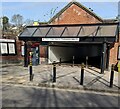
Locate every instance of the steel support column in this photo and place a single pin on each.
(108, 56)
(103, 57)
(25, 55)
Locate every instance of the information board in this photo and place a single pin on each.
(60, 39)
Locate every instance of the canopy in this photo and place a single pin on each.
(100, 30)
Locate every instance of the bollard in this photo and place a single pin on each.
(30, 66)
(118, 65)
(73, 61)
(86, 61)
(60, 62)
(31, 75)
(54, 72)
(112, 76)
(82, 74)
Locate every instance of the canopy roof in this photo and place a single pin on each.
(71, 31)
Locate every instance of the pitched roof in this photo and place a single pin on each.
(79, 5)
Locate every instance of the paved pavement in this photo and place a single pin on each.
(22, 96)
(67, 77)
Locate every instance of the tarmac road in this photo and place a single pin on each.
(31, 96)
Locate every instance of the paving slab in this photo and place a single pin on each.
(66, 77)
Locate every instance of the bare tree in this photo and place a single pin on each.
(29, 22)
(51, 13)
(17, 19)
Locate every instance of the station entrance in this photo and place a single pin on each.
(89, 54)
(80, 42)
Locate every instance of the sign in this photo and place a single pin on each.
(60, 39)
(7, 40)
(3, 47)
(11, 48)
(35, 44)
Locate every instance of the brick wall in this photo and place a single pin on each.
(75, 15)
(43, 51)
(113, 54)
(43, 54)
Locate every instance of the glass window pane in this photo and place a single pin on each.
(3, 47)
(28, 31)
(88, 31)
(71, 31)
(55, 32)
(107, 30)
(11, 48)
(41, 31)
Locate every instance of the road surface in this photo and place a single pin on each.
(29, 96)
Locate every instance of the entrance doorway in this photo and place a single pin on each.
(66, 53)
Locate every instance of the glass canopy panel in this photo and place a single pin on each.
(71, 31)
(28, 32)
(55, 32)
(107, 30)
(41, 31)
(88, 31)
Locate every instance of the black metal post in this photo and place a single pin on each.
(25, 55)
(112, 76)
(103, 58)
(108, 55)
(31, 75)
(86, 61)
(73, 61)
(30, 66)
(54, 72)
(82, 74)
(60, 62)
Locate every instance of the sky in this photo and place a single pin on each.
(41, 10)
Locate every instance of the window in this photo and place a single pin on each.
(7, 47)
(11, 48)
(3, 47)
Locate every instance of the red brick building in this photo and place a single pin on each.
(6, 56)
(13, 58)
(75, 13)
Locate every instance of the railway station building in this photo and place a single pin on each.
(74, 32)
